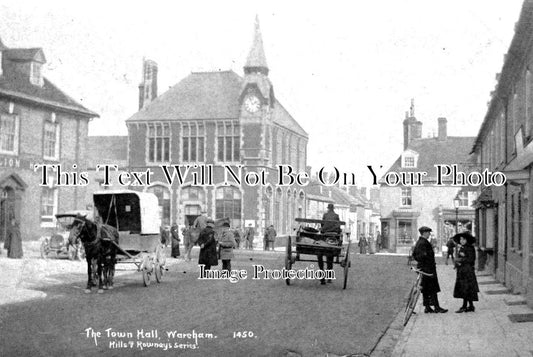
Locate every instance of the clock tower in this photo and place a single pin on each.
(256, 121)
(256, 101)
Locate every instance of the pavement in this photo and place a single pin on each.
(486, 332)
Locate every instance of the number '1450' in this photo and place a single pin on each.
(243, 334)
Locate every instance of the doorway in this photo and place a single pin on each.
(7, 210)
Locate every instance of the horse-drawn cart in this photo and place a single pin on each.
(136, 217)
(311, 241)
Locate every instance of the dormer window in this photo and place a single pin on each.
(36, 77)
(409, 159)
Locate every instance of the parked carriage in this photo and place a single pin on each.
(310, 241)
(136, 217)
(58, 241)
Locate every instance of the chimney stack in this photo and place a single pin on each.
(442, 129)
(412, 128)
(148, 86)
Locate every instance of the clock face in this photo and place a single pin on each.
(252, 103)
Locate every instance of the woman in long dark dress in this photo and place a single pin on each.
(13, 242)
(466, 286)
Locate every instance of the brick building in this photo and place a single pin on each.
(405, 208)
(39, 124)
(504, 143)
(211, 119)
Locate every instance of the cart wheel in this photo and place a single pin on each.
(147, 270)
(45, 249)
(160, 255)
(288, 259)
(158, 272)
(346, 265)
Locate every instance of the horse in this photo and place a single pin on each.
(100, 252)
(190, 237)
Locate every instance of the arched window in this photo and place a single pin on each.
(277, 210)
(267, 203)
(228, 201)
(163, 197)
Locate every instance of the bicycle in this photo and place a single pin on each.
(414, 294)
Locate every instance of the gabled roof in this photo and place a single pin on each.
(107, 150)
(432, 151)
(25, 54)
(342, 197)
(207, 96)
(47, 94)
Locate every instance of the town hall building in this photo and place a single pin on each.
(217, 121)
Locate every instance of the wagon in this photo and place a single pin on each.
(310, 241)
(136, 217)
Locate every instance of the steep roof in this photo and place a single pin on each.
(207, 95)
(25, 54)
(432, 151)
(256, 57)
(107, 150)
(47, 94)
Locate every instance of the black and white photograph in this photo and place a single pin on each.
(252, 178)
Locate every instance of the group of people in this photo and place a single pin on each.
(208, 239)
(370, 245)
(466, 286)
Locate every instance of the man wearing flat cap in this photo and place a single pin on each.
(425, 256)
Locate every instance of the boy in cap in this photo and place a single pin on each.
(425, 256)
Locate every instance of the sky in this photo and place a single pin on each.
(345, 70)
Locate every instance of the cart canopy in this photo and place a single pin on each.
(128, 210)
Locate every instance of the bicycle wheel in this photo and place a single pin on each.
(411, 304)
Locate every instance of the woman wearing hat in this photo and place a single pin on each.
(466, 286)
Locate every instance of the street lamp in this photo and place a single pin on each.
(456, 204)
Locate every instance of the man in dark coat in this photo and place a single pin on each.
(331, 216)
(451, 247)
(271, 236)
(425, 256)
(208, 246)
(329, 227)
(250, 233)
